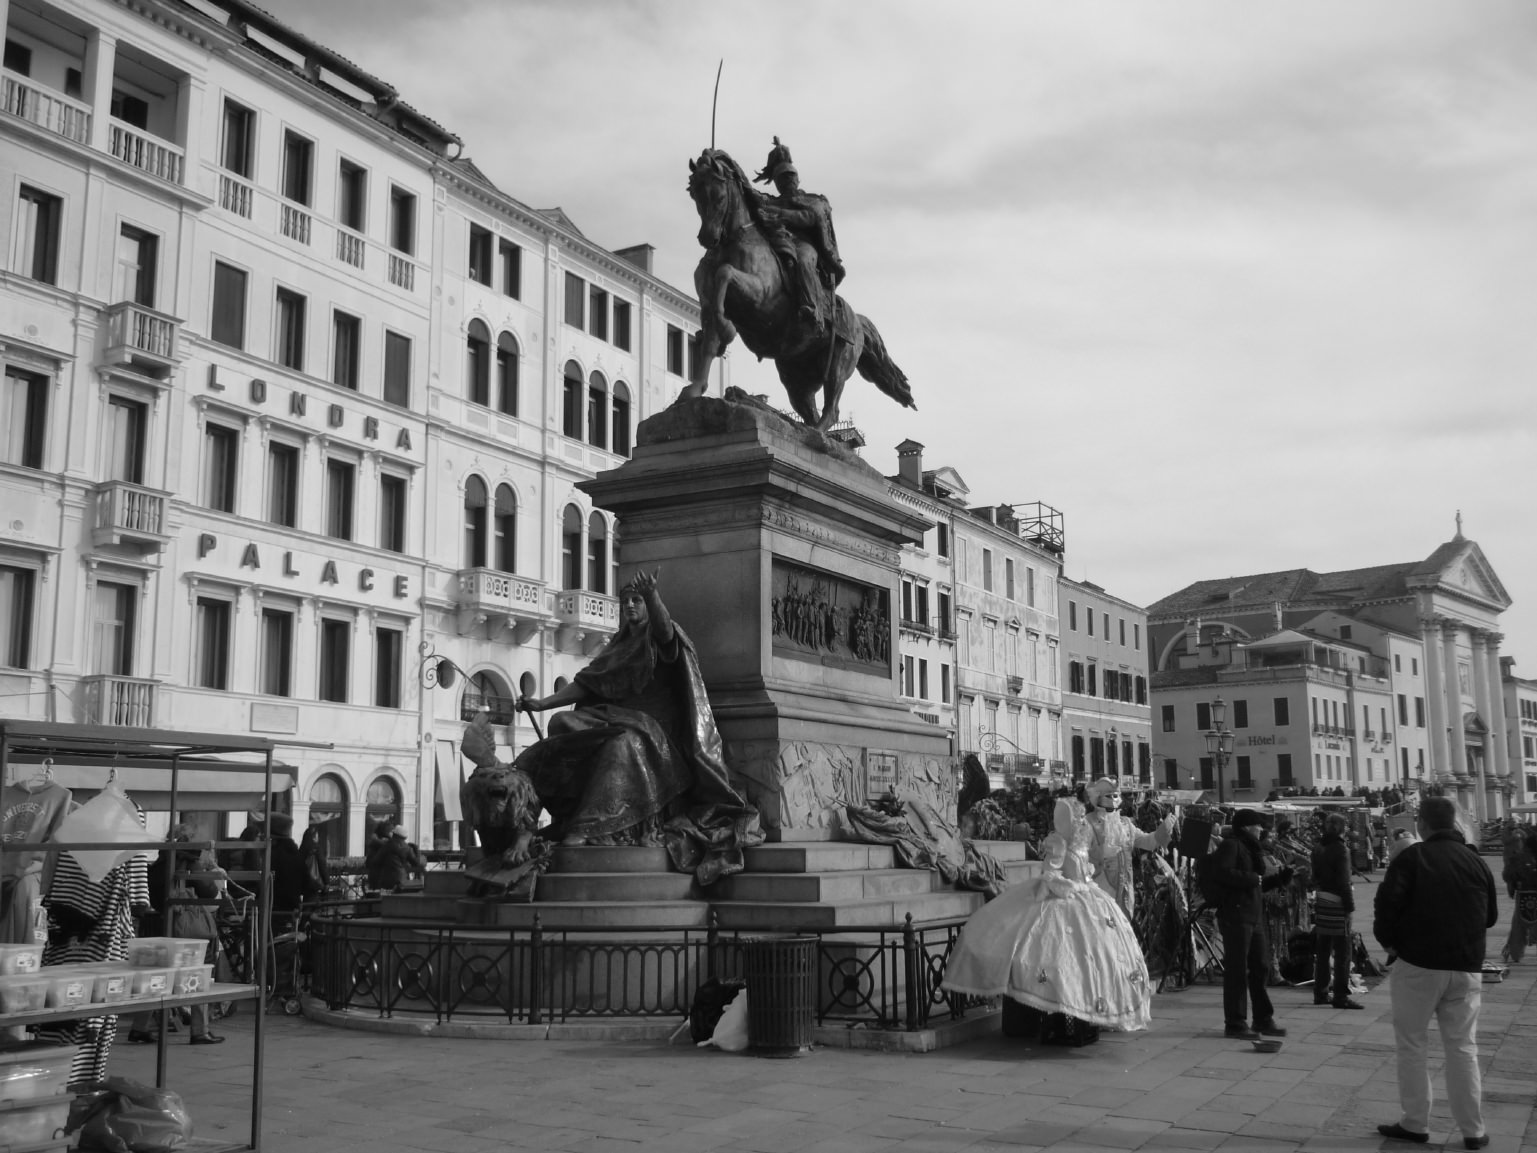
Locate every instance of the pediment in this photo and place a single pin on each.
(948, 481)
(1467, 572)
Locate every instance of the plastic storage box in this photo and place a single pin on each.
(22, 993)
(110, 981)
(20, 959)
(165, 952)
(193, 979)
(67, 986)
(35, 1123)
(33, 1070)
(153, 982)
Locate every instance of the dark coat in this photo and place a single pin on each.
(1238, 868)
(291, 884)
(1436, 903)
(394, 862)
(1331, 869)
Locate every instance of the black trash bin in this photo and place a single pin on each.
(781, 975)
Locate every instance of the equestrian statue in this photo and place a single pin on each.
(770, 273)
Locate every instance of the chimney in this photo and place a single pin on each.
(1277, 608)
(1193, 635)
(910, 463)
(637, 254)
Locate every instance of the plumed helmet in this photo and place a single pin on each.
(778, 161)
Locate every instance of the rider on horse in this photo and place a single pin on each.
(799, 227)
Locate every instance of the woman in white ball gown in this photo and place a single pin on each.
(1057, 941)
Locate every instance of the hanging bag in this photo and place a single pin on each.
(108, 816)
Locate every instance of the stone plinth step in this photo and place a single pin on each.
(842, 885)
(882, 913)
(818, 857)
(583, 886)
(420, 906)
(586, 915)
(610, 859)
(1005, 851)
(445, 882)
(1019, 870)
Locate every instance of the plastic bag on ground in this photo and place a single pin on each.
(730, 1034)
(122, 1116)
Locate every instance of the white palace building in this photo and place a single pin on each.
(293, 398)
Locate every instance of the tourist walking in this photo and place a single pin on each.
(1238, 871)
(1333, 904)
(1520, 876)
(1435, 906)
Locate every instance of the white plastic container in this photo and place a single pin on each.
(67, 986)
(194, 979)
(34, 1070)
(20, 959)
(165, 952)
(153, 982)
(110, 981)
(22, 993)
(35, 1124)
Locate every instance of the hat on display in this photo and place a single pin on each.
(1247, 817)
(282, 825)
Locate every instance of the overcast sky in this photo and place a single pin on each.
(1237, 287)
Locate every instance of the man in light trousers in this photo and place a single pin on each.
(1433, 909)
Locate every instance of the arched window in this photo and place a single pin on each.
(474, 523)
(597, 410)
(477, 367)
(571, 407)
(486, 691)
(383, 802)
(597, 553)
(621, 421)
(504, 530)
(507, 374)
(328, 810)
(613, 558)
(571, 547)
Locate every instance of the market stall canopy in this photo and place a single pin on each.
(210, 771)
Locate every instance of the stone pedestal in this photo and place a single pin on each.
(779, 552)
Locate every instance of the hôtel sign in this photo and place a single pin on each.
(250, 557)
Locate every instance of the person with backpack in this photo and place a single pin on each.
(1233, 879)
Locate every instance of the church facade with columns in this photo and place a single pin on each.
(1427, 631)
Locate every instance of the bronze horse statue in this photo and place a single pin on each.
(743, 289)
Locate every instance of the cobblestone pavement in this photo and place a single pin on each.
(1180, 1085)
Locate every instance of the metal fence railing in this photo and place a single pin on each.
(883, 977)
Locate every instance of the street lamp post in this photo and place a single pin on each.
(1219, 742)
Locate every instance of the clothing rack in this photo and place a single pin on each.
(174, 752)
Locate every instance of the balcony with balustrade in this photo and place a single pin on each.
(503, 600)
(585, 620)
(139, 111)
(131, 515)
(53, 112)
(108, 699)
(142, 339)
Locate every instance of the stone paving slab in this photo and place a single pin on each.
(1178, 1086)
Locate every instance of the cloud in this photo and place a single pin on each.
(1237, 287)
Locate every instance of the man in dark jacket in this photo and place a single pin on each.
(291, 884)
(1433, 909)
(1239, 871)
(1333, 906)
